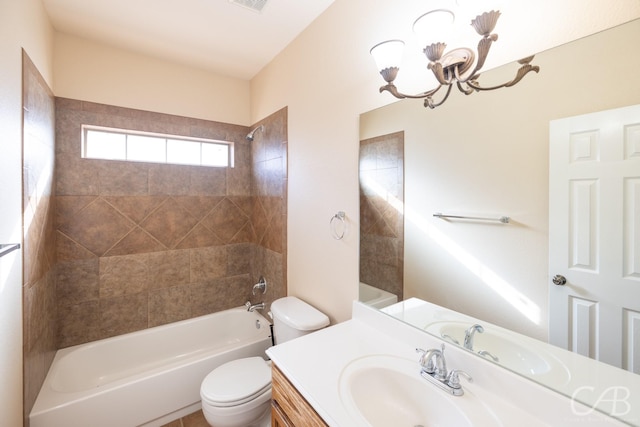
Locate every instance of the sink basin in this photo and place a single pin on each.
(382, 390)
(513, 352)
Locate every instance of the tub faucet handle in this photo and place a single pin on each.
(260, 286)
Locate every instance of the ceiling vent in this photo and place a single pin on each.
(255, 5)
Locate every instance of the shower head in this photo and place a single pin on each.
(250, 134)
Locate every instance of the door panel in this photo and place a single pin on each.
(594, 235)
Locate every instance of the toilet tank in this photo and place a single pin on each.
(293, 318)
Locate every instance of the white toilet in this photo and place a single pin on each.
(238, 393)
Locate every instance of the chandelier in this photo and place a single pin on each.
(455, 67)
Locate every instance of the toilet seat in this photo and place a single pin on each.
(236, 382)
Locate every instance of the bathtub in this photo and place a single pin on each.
(375, 297)
(145, 378)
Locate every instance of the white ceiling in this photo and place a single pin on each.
(227, 39)
(215, 35)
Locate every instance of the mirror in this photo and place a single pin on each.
(486, 154)
(381, 172)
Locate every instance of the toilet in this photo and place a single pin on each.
(238, 393)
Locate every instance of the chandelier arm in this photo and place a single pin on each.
(438, 71)
(484, 45)
(459, 82)
(468, 91)
(393, 90)
(522, 71)
(428, 102)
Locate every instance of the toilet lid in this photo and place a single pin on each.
(236, 382)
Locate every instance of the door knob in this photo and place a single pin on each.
(559, 280)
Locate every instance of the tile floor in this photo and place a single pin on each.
(192, 420)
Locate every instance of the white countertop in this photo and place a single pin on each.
(314, 363)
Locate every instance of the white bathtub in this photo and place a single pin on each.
(145, 378)
(375, 297)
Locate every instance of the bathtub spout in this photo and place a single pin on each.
(252, 307)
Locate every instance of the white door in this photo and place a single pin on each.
(594, 235)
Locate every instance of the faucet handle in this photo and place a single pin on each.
(426, 360)
(453, 378)
(422, 360)
(260, 286)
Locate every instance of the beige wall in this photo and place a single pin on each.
(91, 71)
(22, 24)
(327, 79)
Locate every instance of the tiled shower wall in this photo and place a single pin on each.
(381, 222)
(128, 246)
(142, 244)
(39, 307)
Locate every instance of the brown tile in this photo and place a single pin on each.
(34, 302)
(239, 180)
(118, 178)
(68, 250)
(136, 242)
(277, 169)
(273, 239)
(68, 104)
(89, 228)
(225, 220)
(219, 294)
(173, 180)
(207, 181)
(214, 130)
(259, 219)
(32, 246)
(174, 423)
(78, 324)
(97, 227)
(199, 237)
(168, 269)
(123, 275)
(195, 420)
(244, 203)
(104, 109)
(208, 263)
(198, 206)
(68, 122)
(245, 235)
(169, 305)
(170, 223)
(136, 208)
(68, 206)
(78, 281)
(123, 314)
(273, 206)
(239, 259)
(76, 176)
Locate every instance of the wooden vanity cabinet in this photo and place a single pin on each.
(288, 407)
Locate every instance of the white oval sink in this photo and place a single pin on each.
(383, 391)
(510, 349)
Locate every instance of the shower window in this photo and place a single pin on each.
(120, 144)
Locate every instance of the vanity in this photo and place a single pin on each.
(366, 372)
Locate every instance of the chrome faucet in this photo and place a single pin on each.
(253, 307)
(433, 362)
(470, 333)
(434, 369)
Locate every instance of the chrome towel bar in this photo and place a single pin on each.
(502, 219)
(9, 247)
